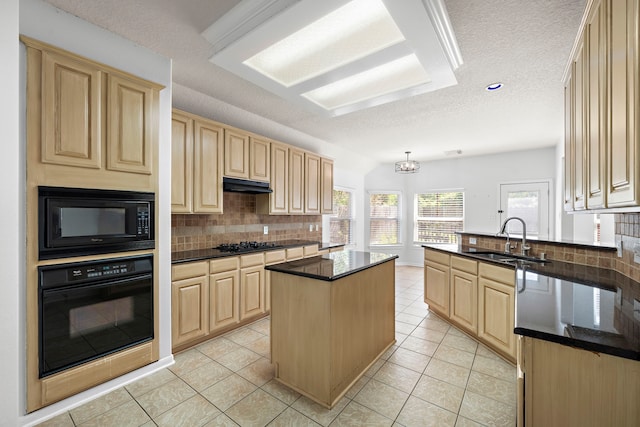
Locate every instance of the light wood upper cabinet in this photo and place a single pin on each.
(197, 162)
(276, 202)
(578, 77)
(296, 181)
(71, 111)
(181, 163)
(311, 183)
(623, 162)
(259, 159)
(568, 144)
(236, 154)
(326, 186)
(601, 109)
(596, 138)
(131, 126)
(436, 281)
(207, 167)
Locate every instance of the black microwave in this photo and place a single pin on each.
(81, 221)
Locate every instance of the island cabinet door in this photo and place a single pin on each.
(436, 286)
(224, 299)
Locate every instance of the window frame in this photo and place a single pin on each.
(399, 218)
(352, 218)
(417, 219)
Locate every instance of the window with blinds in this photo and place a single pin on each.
(384, 218)
(438, 216)
(341, 223)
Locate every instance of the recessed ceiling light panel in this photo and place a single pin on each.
(334, 57)
(390, 77)
(355, 30)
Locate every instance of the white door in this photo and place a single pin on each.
(529, 201)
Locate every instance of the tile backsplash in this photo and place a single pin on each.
(239, 222)
(627, 229)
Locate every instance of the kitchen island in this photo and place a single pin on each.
(332, 317)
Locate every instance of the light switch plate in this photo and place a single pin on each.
(472, 240)
(266, 229)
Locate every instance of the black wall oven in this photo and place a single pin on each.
(79, 221)
(91, 309)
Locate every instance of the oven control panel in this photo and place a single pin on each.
(94, 271)
(101, 270)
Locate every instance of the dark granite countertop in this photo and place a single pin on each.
(204, 254)
(332, 266)
(572, 304)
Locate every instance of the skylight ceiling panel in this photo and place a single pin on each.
(351, 32)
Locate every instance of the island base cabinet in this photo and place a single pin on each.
(326, 334)
(566, 386)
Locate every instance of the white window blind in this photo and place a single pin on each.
(384, 218)
(438, 216)
(341, 224)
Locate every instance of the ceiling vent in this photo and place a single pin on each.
(334, 57)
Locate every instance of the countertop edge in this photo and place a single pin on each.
(579, 344)
(277, 269)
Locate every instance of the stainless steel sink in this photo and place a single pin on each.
(510, 259)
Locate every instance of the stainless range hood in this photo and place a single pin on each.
(245, 186)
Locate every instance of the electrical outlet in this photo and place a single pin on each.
(472, 240)
(619, 245)
(317, 227)
(310, 227)
(265, 229)
(619, 296)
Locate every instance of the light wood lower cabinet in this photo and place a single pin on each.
(463, 308)
(271, 257)
(436, 281)
(189, 302)
(496, 308)
(224, 293)
(252, 300)
(476, 296)
(566, 386)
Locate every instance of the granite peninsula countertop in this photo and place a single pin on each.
(211, 253)
(577, 305)
(332, 266)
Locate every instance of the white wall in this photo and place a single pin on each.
(479, 177)
(41, 21)
(11, 219)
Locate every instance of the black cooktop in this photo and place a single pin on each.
(246, 246)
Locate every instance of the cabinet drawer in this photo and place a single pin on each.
(435, 256)
(499, 274)
(188, 270)
(295, 253)
(311, 250)
(251, 260)
(273, 257)
(223, 264)
(464, 264)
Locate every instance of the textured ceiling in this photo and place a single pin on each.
(524, 44)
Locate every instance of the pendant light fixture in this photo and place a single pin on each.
(407, 166)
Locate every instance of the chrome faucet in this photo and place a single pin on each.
(523, 247)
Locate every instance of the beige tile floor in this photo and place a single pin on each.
(434, 376)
